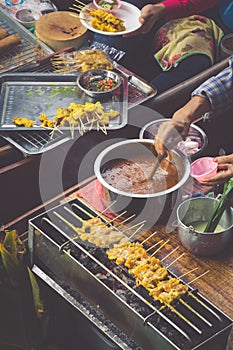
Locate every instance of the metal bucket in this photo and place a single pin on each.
(203, 243)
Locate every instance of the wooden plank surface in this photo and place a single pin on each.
(216, 285)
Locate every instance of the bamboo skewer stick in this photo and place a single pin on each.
(175, 260)
(186, 273)
(166, 304)
(82, 209)
(131, 227)
(79, 9)
(89, 214)
(162, 245)
(149, 237)
(124, 221)
(76, 229)
(204, 305)
(195, 312)
(121, 214)
(170, 253)
(123, 231)
(78, 6)
(80, 2)
(196, 278)
(183, 318)
(75, 215)
(154, 245)
(138, 229)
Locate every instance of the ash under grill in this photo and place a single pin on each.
(190, 323)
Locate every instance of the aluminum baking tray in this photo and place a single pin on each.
(28, 51)
(28, 95)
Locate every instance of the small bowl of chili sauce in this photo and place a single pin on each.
(99, 82)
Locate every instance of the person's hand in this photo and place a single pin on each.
(225, 170)
(169, 134)
(150, 14)
(172, 132)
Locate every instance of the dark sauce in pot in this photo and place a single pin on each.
(131, 176)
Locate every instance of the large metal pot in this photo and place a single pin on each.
(154, 208)
(200, 210)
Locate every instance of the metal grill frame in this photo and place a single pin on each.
(143, 330)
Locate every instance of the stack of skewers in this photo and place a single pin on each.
(147, 270)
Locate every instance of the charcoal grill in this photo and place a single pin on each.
(29, 51)
(78, 269)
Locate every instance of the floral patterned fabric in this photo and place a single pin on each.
(182, 37)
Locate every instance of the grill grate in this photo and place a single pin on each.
(187, 325)
(35, 142)
(27, 52)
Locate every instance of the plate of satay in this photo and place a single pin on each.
(124, 21)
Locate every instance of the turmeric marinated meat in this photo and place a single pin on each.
(92, 59)
(25, 122)
(106, 22)
(147, 270)
(75, 115)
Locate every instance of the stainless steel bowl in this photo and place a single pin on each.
(88, 81)
(154, 208)
(195, 133)
(200, 210)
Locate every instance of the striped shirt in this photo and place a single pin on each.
(219, 91)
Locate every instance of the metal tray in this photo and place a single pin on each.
(139, 90)
(28, 51)
(35, 142)
(29, 95)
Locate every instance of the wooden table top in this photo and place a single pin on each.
(216, 283)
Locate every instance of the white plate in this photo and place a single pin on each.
(127, 12)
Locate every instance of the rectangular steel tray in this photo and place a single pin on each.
(27, 52)
(28, 95)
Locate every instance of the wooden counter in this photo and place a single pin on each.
(216, 285)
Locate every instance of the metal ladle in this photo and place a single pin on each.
(156, 164)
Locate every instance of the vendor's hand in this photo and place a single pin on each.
(172, 132)
(150, 14)
(225, 170)
(169, 134)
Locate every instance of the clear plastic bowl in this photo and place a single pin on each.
(203, 168)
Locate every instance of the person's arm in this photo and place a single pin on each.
(170, 9)
(218, 90)
(184, 8)
(176, 129)
(212, 98)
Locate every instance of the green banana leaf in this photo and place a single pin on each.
(223, 203)
(23, 296)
